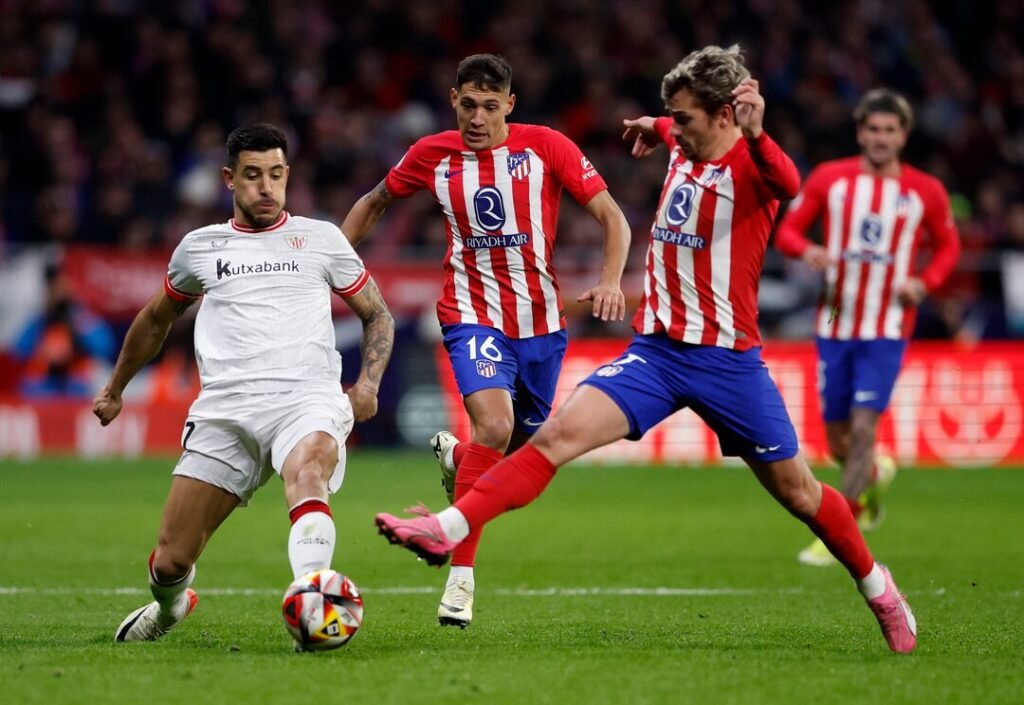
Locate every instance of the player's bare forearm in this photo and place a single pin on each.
(144, 339)
(609, 301)
(378, 333)
(365, 214)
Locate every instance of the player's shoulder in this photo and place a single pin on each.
(530, 135)
(214, 231)
(440, 142)
(313, 225)
(922, 180)
(833, 169)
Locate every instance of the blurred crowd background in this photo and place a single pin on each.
(113, 115)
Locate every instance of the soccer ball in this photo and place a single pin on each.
(322, 610)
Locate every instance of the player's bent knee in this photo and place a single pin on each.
(493, 433)
(171, 563)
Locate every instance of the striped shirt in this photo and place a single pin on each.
(500, 209)
(873, 228)
(708, 241)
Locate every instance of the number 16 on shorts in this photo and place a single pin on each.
(485, 356)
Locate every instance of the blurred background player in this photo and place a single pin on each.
(498, 186)
(875, 211)
(271, 398)
(697, 343)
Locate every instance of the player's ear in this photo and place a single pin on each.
(229, 178)
(511, 103)
(453, 96)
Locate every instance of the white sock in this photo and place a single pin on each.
(464, 572)
(872, 585)
(171, 595)
(453, 524)
(311, 543)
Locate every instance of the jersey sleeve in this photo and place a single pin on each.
(938, 221)
(775, 170)
(572, 168)
(345, 270)
(182, 283)
(791, 235)
(411, 173)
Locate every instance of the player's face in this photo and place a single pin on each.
(696, 131)
(481, 115)
(258, 183)
(881, 138)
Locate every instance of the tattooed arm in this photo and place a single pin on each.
(378, 338)
(143, 341)
(365, 214)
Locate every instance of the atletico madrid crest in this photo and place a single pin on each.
(519, 165)
(486, 368)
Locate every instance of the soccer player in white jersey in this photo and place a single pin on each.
(876, 212)
(271, 398)
(498, 186)
(696, 342)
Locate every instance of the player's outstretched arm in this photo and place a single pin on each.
(365, 214)
(375, 347)
(142, 342)
(609, 301)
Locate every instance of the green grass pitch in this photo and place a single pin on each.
(568, 608)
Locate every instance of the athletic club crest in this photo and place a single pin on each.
(296, 242)
(519, 165)
(486, 368)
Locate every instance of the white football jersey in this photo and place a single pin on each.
(265, 320)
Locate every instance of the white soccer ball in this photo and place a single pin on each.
(322, 610)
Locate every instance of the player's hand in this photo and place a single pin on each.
(363, 398)
(106, 406)
(911, 292)
(816, 257)
(748, 103)
(609, 302)
(643, 135)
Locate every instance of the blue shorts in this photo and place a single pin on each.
(484, 358)
(731, 390)
(857, 373)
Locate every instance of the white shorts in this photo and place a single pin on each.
(236, 440)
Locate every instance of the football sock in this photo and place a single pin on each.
(837, 529)
(476, 460)
(169, 595)
(458, 451)
(872, 585)
(311, 539)
(460, 571)
(453, 524)
(514, 482)
(856, 508)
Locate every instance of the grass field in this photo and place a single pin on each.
(568, 603)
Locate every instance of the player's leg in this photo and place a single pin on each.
(308, 434)
(306, 471)
(193, 511)
(622, 399)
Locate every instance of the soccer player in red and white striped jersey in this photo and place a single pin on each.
(498, 186)
(696, 342)
(876, 212)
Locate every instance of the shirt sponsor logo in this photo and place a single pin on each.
(680, 205)
(224, 269)
(519, 165)
(674, 237)
(869, 257)
(589, 171)
(489, 208)
(871, 229)
(481, 242)
(486, 368)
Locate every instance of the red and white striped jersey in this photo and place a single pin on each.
(500, 211)
(872, 231)
(708, 242)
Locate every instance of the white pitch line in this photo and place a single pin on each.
(11, 590)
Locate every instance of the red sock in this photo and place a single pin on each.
(475, 460)
(855, 506)
(837, 529)
(457, 453)
(514, 482)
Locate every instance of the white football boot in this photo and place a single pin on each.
(443, 443)
(149, 622)
(456, 608)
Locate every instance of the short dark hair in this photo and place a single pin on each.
(257, 137)
(884, 100)
(486, 71)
